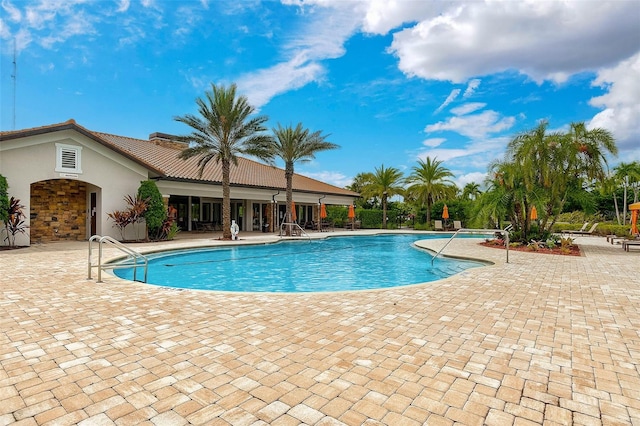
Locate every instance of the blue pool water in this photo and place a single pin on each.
(332, 264)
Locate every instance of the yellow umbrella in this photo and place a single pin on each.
(534, 213)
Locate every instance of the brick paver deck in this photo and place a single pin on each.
(543, 339)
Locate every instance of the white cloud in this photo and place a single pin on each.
(323, 38)
(433, 142)
(123, 6)
(334, 178)
(475, 126)
(471, 88)
(544, 40)
(452, 96)
(13, 12)
(621, 109)
(464, 178)
(262, 86)
(383, 16)
(475, 155)
(468, 108)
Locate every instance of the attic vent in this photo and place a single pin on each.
(68, 158)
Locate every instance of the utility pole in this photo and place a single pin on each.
(13, 77)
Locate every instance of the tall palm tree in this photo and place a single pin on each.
(471, 191)
(294, 145)
(430, 182)
(628, 175)
(223, 130)
(384, 183)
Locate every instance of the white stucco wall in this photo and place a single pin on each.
(33, 159)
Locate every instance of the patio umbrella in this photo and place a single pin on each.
(534, 213)
(323, 216)
(635, 211)
(352, 215)
(445, 212)
(294, 217)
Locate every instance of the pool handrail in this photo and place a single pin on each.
(134, 255)
(292, 225)
(504, 232)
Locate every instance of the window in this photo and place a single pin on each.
(68, 158)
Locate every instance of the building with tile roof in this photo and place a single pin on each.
(69, 178)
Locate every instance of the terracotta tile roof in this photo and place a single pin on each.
(72, 125)
(164, 162)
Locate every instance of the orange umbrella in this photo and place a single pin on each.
(294, 217)
(352, 212)
(323, 211)
(534, 213)
(445, 212)
(635, 211)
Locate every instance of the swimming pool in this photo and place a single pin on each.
(331, 264)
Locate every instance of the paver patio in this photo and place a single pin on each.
(543, 339)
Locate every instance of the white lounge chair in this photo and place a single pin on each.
(457, 225)
(438, 225)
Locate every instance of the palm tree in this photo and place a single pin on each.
(554, 165)
(471, 191)
(384, 183)
(223, 130)
(360, 181)
(429, 182)
(294, 145)
(627, 174)
(592, 147)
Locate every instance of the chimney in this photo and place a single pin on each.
(166, 140)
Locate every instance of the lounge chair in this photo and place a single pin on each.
(626, 244)
(584, 228)
(589, 232)
(457, 225)
(438, 226)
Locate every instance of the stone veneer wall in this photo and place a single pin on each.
(58, 210)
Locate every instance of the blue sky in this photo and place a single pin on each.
(391, 82)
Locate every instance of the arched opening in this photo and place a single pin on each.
(58, 211)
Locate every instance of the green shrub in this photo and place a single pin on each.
(612, 229)
(155, 214)
(602, 229)
(4, 199)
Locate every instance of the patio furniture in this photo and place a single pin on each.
(627, 244)
(438, 225)
(589, 232)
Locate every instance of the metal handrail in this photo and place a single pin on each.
(504, 232)
(135, 256)
(302, 231)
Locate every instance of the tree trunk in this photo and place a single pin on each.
(226, 199)
(624, 206)
(288, 174)
(615, 203)
(384, 211)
